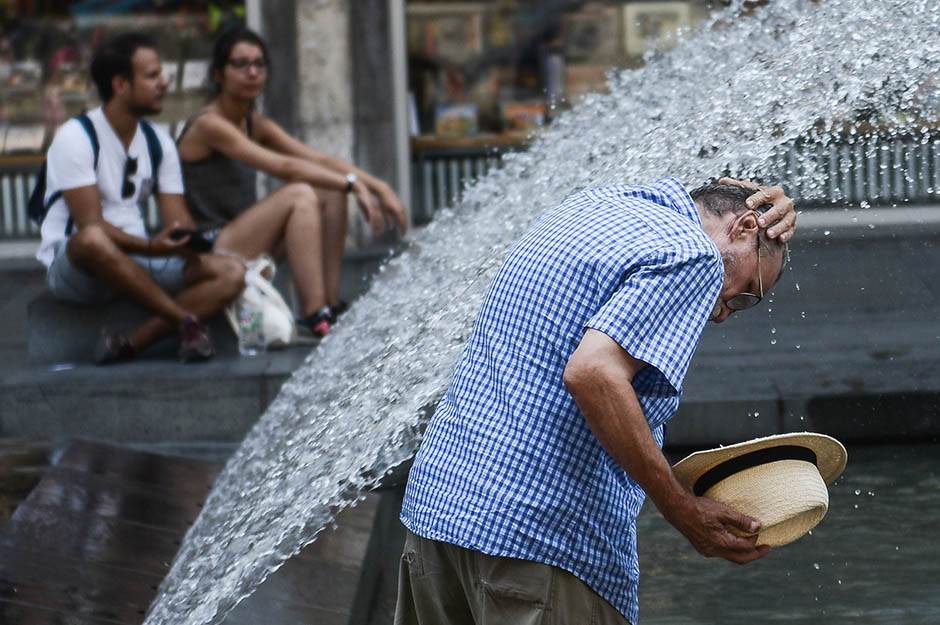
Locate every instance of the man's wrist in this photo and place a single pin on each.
(673, 500)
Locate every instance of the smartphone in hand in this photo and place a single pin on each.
(197, 242)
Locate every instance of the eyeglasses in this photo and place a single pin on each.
(743, 301)
(127, 186)
(242, 64)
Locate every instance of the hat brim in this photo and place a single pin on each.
(830, 455)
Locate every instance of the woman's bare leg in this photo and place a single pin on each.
(334, 240)
(292, 215)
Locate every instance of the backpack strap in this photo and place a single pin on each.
(155, 149)
(89, 127)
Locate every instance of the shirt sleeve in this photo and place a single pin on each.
(170, 176)
(70, 160)
(658, 313)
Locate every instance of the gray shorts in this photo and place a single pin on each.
(69, 283)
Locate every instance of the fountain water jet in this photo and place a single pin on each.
(725, 100)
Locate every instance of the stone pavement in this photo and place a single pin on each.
(849, 344)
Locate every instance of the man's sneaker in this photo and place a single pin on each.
(317, 324)
(112, 348)
(195, 344)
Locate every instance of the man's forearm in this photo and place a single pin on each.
(616, 418)
(127, 242)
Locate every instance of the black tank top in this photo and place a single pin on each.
(218, 188)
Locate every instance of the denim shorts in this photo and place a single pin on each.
(69, 283)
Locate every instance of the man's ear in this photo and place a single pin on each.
(119, 84)
(744, 224)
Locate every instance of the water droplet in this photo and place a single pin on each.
(773, 341)
(816, 565)
(827, 232)
(773, 330)
(857, 492)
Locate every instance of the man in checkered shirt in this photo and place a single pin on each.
(521, 505)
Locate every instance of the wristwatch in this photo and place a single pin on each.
(351, 180)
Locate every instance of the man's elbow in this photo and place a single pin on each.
(580, 374)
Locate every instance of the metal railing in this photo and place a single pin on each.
(439, 177)
(16, 185)
(873, 169)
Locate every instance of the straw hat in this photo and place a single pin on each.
(779, 480)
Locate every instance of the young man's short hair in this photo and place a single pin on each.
(114, 58)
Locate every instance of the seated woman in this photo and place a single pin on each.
(221, 148)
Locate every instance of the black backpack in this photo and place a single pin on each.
(38, 206)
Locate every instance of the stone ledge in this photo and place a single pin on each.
(65, 333)
(849, 418)
(146, 400)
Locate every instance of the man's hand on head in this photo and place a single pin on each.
(781, 216)
(716, 530)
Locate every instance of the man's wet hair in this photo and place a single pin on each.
(115, 58)
(720, 199)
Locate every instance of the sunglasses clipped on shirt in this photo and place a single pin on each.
(128, 188)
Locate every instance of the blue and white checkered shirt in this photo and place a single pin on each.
(508, 465)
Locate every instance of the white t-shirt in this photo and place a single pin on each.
(70, 165)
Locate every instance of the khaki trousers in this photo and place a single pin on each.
(442, 584)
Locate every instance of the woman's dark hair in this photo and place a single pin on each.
(114, 58)
(223, 48)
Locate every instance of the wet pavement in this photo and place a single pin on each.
(874, 559)
(94, 539)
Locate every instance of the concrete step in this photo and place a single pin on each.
(148, 400)
(60, 332)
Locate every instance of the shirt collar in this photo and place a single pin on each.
(670, 193)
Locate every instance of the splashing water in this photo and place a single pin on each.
(726, 99)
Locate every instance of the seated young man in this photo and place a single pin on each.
(94, 240)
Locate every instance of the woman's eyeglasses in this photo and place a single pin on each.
(243, 64)
(127, 186)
